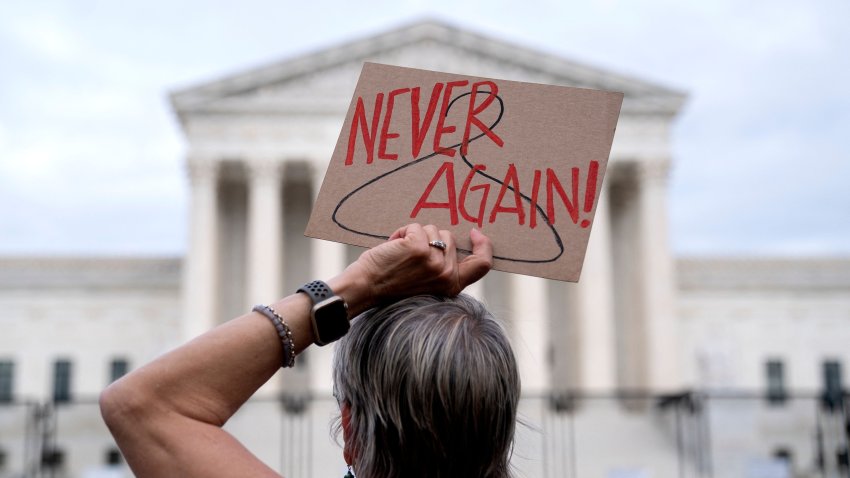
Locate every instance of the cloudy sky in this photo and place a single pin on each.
(91, 157)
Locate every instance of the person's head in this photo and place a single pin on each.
(429, 387)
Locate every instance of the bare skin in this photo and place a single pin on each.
(167, 416)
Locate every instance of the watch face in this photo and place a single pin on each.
(331, 318)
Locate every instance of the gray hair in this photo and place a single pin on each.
(432, 385)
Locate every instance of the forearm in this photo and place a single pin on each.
(211, 376)
(188, 393)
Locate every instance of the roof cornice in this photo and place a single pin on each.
(90, 272)
(641, 95)
(764, 274)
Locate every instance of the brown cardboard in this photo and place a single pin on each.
(544, 150)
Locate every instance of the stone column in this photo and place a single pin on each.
(265, 230)
(592, 306)
(200, 270)
(329, 259)
(531, 343)
(661, 332)
(623, 194)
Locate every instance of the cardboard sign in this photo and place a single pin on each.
(522, 162)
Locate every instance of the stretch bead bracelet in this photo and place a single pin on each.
(282, 331)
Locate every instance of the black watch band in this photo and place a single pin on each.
(329, 314)
(317, 291)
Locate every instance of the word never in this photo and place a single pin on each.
(420, 125)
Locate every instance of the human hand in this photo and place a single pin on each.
(407, 265)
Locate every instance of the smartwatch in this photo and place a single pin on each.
(329, 314)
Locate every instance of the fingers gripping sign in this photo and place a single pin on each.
(474, 266)
(407, 264)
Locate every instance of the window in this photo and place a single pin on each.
(117, 369)
(776, 393)
(784, 459)
(62, 381)
(7, 376)
(832, 377)
(832, 387)
(113, 457)
(784, 454)
(52, 458)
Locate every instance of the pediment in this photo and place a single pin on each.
(323, 81)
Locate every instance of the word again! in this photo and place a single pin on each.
(510, 199)
(481, 94)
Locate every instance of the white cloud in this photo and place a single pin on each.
(43, 34)
(4, 139)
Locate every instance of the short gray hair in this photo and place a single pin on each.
(432, 385)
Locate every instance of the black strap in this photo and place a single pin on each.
(317, 291)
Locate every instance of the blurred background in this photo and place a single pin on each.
(147, 149)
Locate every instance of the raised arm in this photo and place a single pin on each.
(167, 416)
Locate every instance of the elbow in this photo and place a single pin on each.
(110, 403)
(121, 406)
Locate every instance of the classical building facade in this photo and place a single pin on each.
(601, 360)
(259, 144)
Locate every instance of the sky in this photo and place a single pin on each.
(91, 157)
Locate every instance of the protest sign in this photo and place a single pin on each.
(522, 162)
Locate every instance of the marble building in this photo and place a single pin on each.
(258, 146)
(640, 320)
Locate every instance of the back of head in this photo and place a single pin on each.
(432, 386)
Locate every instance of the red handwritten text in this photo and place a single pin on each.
(368, 130)
(510, 199)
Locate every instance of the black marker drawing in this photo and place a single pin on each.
(555, 236)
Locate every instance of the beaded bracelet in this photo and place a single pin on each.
(282, 331)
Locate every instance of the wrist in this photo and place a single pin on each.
(296, 310)
(355, 290)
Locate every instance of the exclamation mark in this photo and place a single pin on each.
(590, 190)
